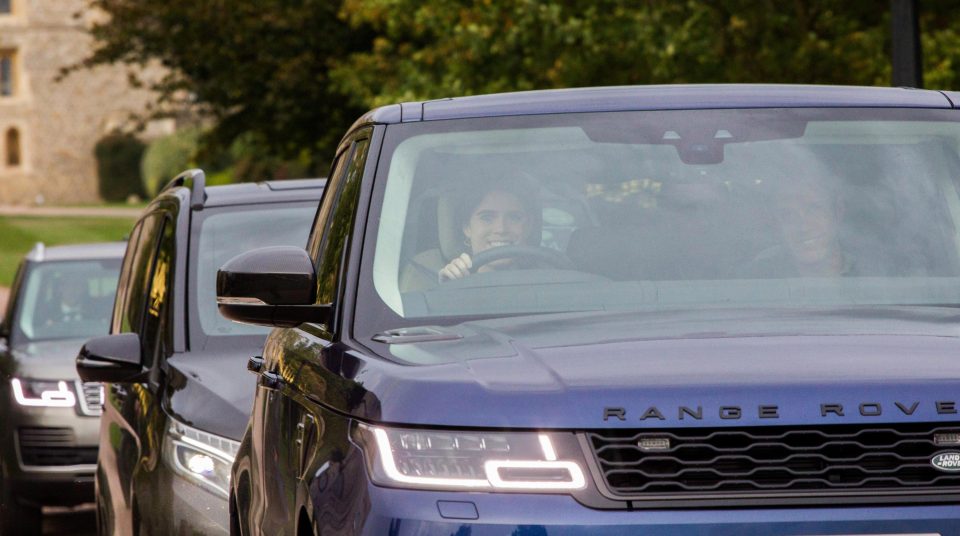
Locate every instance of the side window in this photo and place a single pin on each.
(336, 218)
(155, 320)
(5, 322)
(131, 312)
(119, 303)
(327, 200)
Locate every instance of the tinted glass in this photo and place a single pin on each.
(156, 336)
(67, 300)
(336, 219)
(135, 291)
(123, 284)
(666, 210)
(226, 233)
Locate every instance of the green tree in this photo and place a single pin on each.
(118, 166)
(259, 68)
(453, 47)
(285, 78)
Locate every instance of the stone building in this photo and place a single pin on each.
(48, 128)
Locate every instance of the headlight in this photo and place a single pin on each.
(491, 461)
(43, 393)
(200, 457)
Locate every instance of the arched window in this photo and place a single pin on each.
(13, 147)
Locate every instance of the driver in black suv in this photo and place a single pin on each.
(494, 214)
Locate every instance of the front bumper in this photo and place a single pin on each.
(49, 454)
(427, 513)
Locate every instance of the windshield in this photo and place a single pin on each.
(225, 233)
(66, 300)
(664, 210)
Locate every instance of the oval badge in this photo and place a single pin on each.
(946, 461)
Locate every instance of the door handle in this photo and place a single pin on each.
(271, 380)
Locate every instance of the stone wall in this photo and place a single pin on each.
(59, 122)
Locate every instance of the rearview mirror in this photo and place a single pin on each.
(273, 286)
(111, 358)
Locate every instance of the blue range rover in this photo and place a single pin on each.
(671, 310)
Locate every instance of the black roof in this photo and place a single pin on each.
(264, 192)
(664, 97)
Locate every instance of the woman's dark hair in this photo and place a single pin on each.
(519, 184)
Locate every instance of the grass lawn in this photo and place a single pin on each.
(18, 234)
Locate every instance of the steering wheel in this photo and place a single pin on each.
(538, 254)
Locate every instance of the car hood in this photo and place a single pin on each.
(46, 360)
(212, 391)
(655, 370)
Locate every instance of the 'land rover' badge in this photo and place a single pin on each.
(948, 461)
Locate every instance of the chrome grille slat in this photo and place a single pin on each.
(45, 437)
(91, 397)
(52, 447)
(867, 458)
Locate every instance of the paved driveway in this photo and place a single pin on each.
(63, 522)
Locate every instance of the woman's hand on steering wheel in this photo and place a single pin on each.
(458, 268)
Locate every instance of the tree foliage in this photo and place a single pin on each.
(288, 76)
(453, 47)
(118, 166)
(257, 68)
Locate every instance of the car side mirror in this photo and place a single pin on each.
(111, 358)
(272, 286)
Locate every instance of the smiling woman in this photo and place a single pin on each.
(492, 215)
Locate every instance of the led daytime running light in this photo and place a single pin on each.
(492, 470)
(493, 467)
(63, 397)
(390, 467)
(205, 448)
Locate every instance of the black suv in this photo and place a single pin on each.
(663, 310)
(48, 440)
(177, 398)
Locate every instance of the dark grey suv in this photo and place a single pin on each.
(177, 396)
(48, 437)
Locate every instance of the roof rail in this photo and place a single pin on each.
(195, 180)
(37, 252)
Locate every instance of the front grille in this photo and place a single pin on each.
(59, 457)
(49, 447)
(771, 459)
(91, 398)
(43, 437)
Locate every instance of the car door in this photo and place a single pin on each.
(147, 418)
(120, 446)
(280, 409)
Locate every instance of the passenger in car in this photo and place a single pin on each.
(71, 294)
(808, 213)
(494, 214)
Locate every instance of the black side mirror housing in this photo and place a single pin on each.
(272, 286)
(111, 358)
